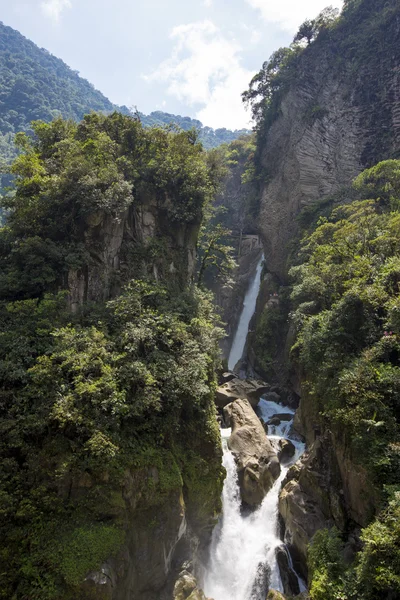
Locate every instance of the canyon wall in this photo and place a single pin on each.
(339, 114)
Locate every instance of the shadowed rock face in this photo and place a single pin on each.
(258, 464)
(309, 160)
(106, 238)
(330, 127)
(312, 498)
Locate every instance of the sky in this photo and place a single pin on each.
(187, 57)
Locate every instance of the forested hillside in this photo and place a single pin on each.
(209, 137)
(108, 437)
(35, 85)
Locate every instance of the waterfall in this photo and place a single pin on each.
(242, 564)
(249, 306)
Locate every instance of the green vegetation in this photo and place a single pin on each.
(35, 85)
(118, 386)
(209, 137)
(375, 573)
(346, 311)
(71, 171)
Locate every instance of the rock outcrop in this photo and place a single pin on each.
(312, 498)
(186, 588)
(249, 389)
(359, 495)
(289, 578)
(286, 450)
(258, 464)
(324, 135)
(109, 242)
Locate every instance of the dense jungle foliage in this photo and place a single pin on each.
(117, 386)
(346, 309)
(209, 137)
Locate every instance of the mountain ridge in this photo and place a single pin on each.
(36, 85)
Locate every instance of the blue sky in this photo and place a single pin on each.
(190, 57)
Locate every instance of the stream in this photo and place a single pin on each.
(242, 563)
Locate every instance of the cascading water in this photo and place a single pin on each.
(249, 306)
(242, 563)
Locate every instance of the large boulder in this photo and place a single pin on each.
(286, 450)
(250, 389)
(186, 588)
(226, 377)
(258, 464)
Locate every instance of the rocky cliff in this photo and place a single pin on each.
(139, 242)
(336, 113)
(339, 113)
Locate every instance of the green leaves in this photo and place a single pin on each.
(346, 311)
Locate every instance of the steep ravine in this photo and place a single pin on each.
(247, 557)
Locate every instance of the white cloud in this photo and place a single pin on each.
(53, 8)
(290, 14)
(208, 3)
(205, 68)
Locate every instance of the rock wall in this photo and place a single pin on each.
(308, 160)
(167, 512)
(140, 241)
(339, 115)
(171, 526)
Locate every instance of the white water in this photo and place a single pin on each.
(249, 306)
(242, 563)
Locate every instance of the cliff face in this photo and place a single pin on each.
(339, 114)
(173, 526)
(309, 160)
(140, 241)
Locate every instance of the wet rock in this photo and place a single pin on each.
(272, 397)
(273, 421)
(287, 396)
(250, 389)
(289, 578)
(286, 450)
(284, 416)
(310, 498)
(302, 517)
(258, 464)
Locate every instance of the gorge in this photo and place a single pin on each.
(137, 461)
